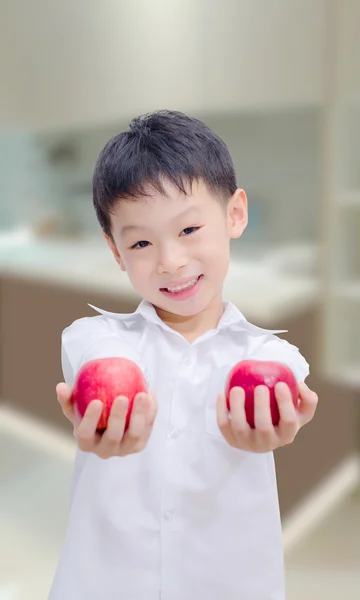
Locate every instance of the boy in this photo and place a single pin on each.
(185, 507)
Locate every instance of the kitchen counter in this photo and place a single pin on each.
(275, 286)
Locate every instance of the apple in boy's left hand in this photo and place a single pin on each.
(248, 374)
(265, 437)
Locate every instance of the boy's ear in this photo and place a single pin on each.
(115, 251)
(237, 211)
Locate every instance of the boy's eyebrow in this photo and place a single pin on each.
(127, 228)
(191, 209)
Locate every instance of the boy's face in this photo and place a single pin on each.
(176, 249)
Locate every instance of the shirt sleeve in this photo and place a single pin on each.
(90, 338)
(281, 350)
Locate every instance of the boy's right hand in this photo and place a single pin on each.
(115, 441)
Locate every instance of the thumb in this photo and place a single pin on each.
(64, 392)
(308, 402)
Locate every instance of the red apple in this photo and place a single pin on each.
(105, 379)
(250, 373)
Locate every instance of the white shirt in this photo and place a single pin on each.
(190, 517)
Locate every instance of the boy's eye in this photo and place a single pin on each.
(189, 230)
(142, 244)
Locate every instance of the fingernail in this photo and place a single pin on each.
(96, 405)
(123, 402)
(238, 390)
(143, 399)
(259, 389)
(140, 401)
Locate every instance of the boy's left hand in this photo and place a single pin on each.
(265, 437)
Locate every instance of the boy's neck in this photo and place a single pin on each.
(193, 326)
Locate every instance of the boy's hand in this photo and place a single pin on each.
(265, 437)
(114, 441)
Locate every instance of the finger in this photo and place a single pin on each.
(64, 392)
(138, 420)
(308, 403)
(223, 419)
(222, 412)
(114, 432)
(237, 407)
(86, 434)
(289, 421)
(262, 412)
(152, 409)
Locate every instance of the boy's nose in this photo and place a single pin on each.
(171, 262)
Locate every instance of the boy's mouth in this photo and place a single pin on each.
(179, 290)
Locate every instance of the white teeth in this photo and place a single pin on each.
(179, 288)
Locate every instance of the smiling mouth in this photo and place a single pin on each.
(182, 288)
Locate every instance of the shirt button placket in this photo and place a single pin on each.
(168, 515)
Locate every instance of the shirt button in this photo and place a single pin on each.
(186, 360)
(175, 433)
(168, 516)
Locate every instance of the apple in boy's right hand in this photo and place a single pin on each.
(248, 374)
(105, 379)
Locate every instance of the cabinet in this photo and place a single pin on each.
(332, 436)
(76, 63)
(33, 315)
(72, 64)
(263, 55)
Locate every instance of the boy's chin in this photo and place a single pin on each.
(181, 309)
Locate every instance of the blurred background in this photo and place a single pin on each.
(279, 80)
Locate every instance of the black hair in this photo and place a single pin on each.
(160, 146)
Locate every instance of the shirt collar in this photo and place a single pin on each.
(231, 318)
